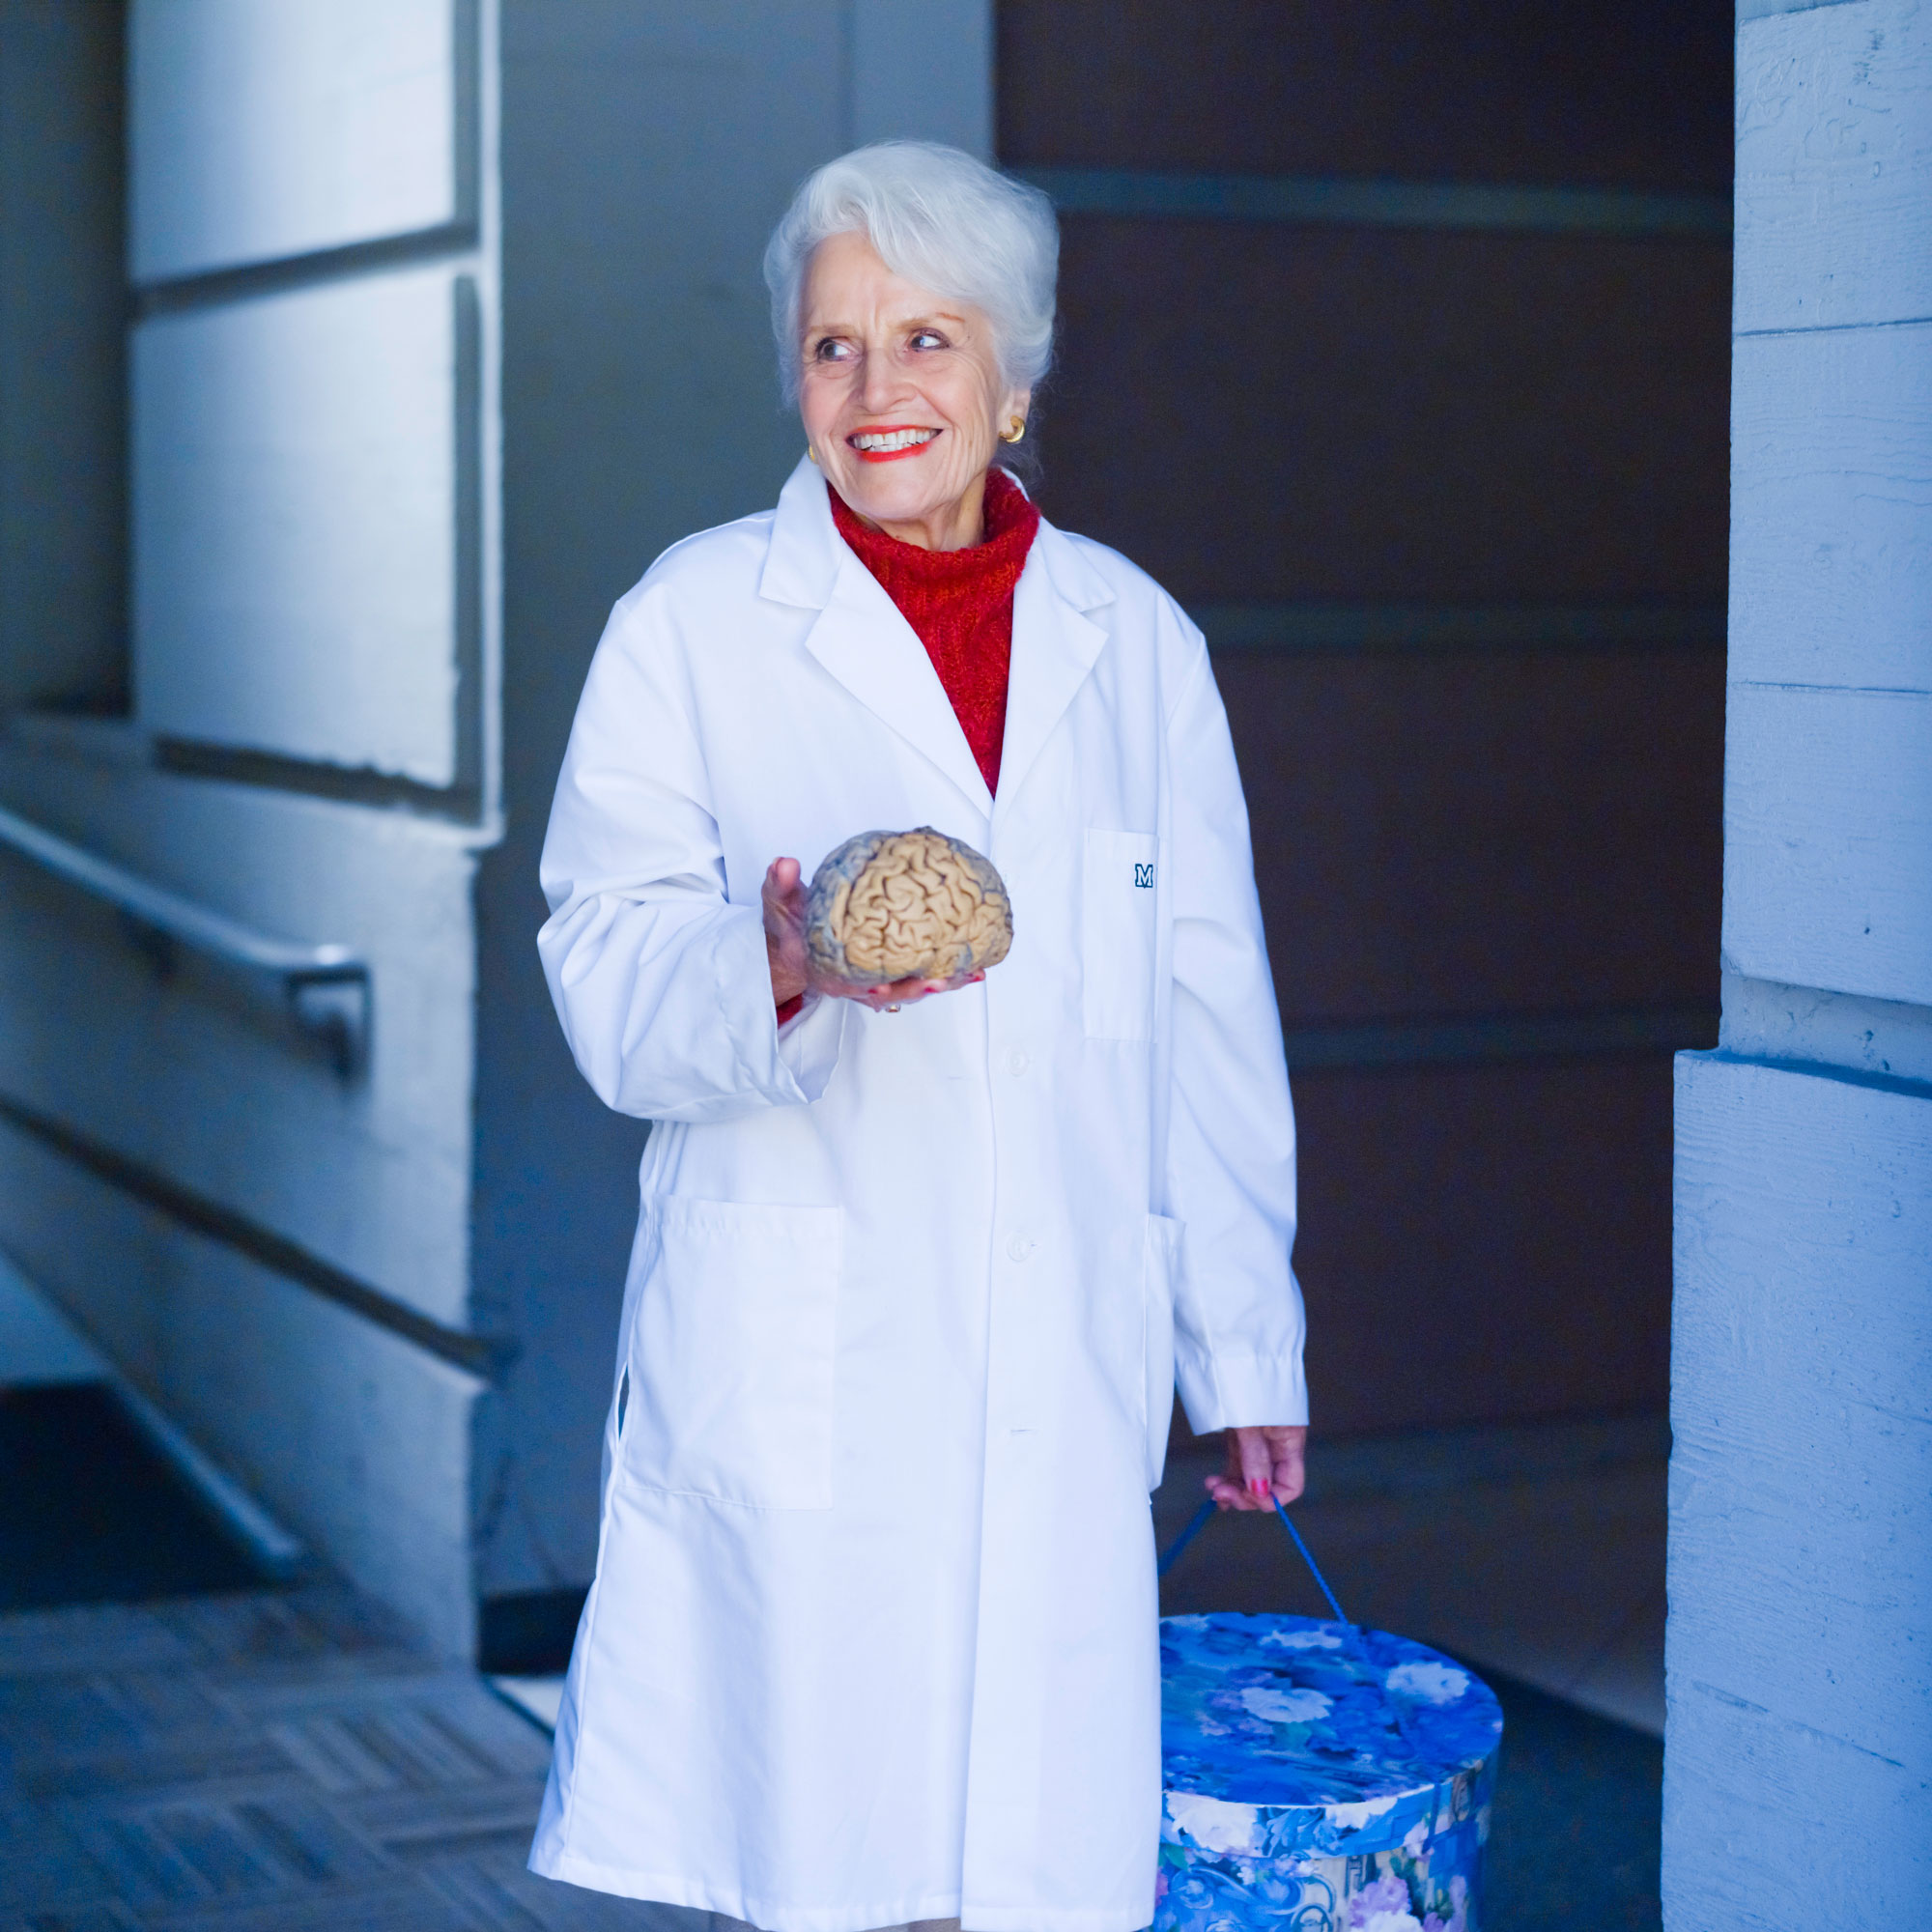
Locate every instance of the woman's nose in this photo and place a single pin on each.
(881, 383)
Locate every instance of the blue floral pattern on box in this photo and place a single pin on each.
(1317, 1778)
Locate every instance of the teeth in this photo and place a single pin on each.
(898, 439)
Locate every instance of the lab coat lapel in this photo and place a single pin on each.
(860, 636)
(1055, 644)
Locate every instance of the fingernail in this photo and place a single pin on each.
(1256, 1487)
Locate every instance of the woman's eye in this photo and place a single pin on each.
(831, 350)
(928, 338)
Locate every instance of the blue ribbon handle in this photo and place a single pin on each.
(1171, 1556)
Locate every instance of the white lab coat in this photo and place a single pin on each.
(872, 1636)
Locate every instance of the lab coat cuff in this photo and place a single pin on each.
(783, 1066)
(1226, 1390)
(809, 1042)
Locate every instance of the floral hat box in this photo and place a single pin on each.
(1319, 1778)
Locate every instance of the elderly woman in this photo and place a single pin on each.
(872, 1637)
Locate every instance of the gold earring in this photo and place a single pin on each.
(811, 453)
(1015, 430)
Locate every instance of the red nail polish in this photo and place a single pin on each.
(1256, 1487)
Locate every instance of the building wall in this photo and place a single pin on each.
(63, 500)
(1462, 439)
(1799, 1750)
(387, 1302)
(1443, 478)
(277, 1254)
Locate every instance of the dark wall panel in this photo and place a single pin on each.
(63, 388)
(1469, 832)
(1263, 412)
(1484, 1242)
(1561, 91)
(1365, 417)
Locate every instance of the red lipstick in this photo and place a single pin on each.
(892, 429)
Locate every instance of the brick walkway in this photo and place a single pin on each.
(274, 1762)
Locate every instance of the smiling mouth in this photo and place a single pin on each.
(888, 445)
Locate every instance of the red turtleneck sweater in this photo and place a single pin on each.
(960, 604)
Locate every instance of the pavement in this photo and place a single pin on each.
(265, 1762)
(289, 1756)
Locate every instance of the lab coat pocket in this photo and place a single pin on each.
(1161, 1277)
(731, 1354)
(1118, 927)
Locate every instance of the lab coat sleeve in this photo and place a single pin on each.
(1239, 1323)
(660, 982)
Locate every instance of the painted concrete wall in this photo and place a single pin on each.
(1798, 1752)
(273, 607)
(314, 473)
(327, 1417)
(267, 133)
(62, 563)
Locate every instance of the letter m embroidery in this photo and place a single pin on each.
(1144, 875)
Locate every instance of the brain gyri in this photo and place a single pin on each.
(899, 905)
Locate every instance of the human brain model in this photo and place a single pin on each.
(899, 905)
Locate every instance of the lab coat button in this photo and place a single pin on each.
(1019, 1247)
(1016, 1060)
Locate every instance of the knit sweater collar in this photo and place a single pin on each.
(984, 572)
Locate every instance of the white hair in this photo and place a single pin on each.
(940, 219)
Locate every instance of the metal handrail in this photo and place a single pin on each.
(324, 988)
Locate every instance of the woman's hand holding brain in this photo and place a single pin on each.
(889, 918)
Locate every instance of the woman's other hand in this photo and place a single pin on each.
(785, 952)
(1266, 1465)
